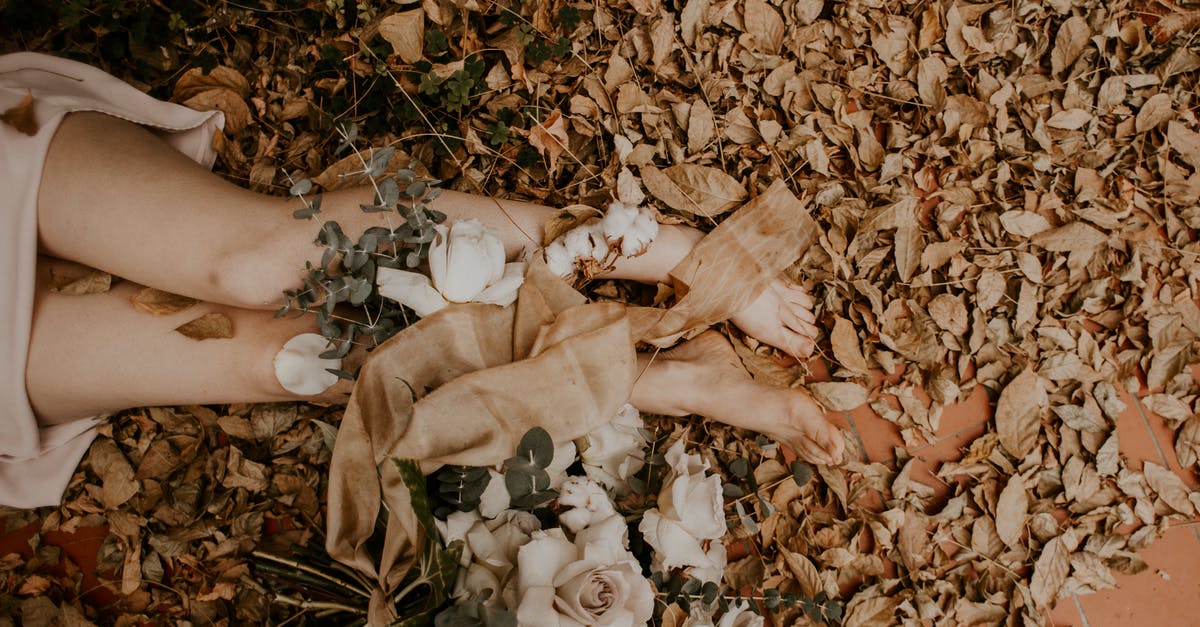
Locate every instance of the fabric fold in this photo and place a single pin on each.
(463, 385)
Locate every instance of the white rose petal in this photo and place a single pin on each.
(465, 259)
(688, 496)
(615, 450)
(299, 367)
(504, 291)
(495, 498)
(588, 501)
(562, 584)
(675, 547)
(564, 456)
(410, 289)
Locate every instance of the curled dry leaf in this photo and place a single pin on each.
(196, 80)
(227, 101)
(694, 189)
(1018, 413)
(159, 303)
(839, 395)
(94, 282)
(21, 116)
(550, 138)
(210, 326)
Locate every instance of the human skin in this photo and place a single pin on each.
(116, 198)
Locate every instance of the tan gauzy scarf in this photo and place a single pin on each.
(463, 385)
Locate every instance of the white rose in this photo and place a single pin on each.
(615, 450)
(489, 555)
(740, 615)
(466, 262)
(564, 456)
(593, 581)
(690, 512)
(588, 503)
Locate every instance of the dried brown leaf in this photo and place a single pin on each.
(1012, 508)
(227, 101)
(1185, 141)
(21, 116)
(405, 31)
(702, 127)
(869, 608)
(159, 303)
(1156, 110)
(550, 138)
(694, 189)
(1187, 442)
(1069, 42)
(839, 395)
(1169, 487)
(208, 327)
(1049, 572)
(566, 219)
(115, 472)
(1023, 223)
(1018, 413)
(844, 339)
(806, 574)
(94, 282)
(1076, 236)
(196, 80)
(764, 24)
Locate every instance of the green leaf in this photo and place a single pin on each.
(537, 446)
(410, 474)
(740, 468)
(301, 187)
(802, 473)
(380, 159)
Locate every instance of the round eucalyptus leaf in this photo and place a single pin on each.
(537, 446)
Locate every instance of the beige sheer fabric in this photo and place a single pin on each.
(37, 460)
(464, 384)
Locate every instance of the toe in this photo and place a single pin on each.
(799, 345)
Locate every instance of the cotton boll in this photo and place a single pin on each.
(578, 242)
(559, 261)
(618, 219)
(640, 234)
(300, 369)
(599, 243)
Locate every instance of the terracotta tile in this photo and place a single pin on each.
(1067, 614)
(1165, 594)
(879, 437)
(1138, 443)
(1165, 438)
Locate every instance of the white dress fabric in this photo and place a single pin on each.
(36, 460)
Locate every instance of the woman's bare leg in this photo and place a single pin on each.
(704, 376)
(96, 353)
(117, 198)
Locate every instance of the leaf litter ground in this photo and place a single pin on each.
(1007, 196)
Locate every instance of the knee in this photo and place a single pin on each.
(246, 278)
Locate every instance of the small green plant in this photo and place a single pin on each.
(346, 272)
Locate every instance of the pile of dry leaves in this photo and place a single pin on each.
(1007, 194)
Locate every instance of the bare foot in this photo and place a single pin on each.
(705, 377)
(782, 317)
